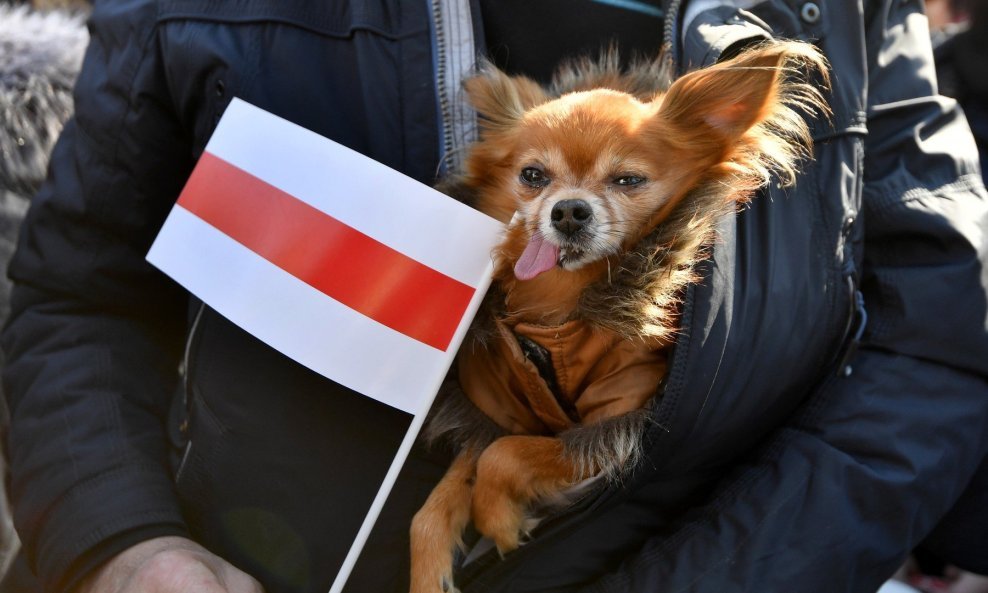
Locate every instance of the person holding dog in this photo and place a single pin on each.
(826, 401)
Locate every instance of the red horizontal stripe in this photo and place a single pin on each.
(338, 260)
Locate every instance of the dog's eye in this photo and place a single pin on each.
(534, 177)
(629, 180)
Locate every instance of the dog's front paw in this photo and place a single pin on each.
(447, 585)
(437, 528)
(437, 578)
(426, 584)
(500, 518)
(432, 558)
(513, 473)
(501, 498)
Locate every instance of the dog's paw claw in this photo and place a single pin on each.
(528, 526)
(447, 585)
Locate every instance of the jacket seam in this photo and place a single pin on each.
(402, 112)
(77, 495)
(731, 37)
(135, 519)
(817, 400)
(115, 159)
(342, 33)
(890, 198)
(715, 507)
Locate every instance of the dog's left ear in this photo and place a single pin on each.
(733, 96)
(499, 99)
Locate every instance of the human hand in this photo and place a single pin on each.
(168, 565)
(966, 582)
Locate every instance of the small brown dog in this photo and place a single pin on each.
(612, 181)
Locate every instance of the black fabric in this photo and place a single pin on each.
(532, 38)
(339, 449)
(19, 577)
(961, 538)
(542, 360)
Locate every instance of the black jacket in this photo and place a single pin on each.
(785, 455)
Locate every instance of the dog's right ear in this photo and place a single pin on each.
(732, 97)
(499, 99)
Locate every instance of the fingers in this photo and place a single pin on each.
(969, 583)
(236, 581)
(169, 565)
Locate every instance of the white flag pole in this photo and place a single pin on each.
(406, 445)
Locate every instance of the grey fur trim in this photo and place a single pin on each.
(40, 57)
(612, 447)
(455, 421)
(641, 296)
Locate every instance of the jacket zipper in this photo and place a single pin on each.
(454, 55)
(187, 355)
(672, 34)
(856, 324)
(187, 386)
(442, 95)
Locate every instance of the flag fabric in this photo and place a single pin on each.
(343, 264)
(350, 268)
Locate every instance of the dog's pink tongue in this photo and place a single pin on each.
(539, 256)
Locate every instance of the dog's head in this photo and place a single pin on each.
(589, 173)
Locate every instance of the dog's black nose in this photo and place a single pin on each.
(569, 216)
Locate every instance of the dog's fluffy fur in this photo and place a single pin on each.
(656, 163)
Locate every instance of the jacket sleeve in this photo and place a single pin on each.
(92, 348)
(835, 499)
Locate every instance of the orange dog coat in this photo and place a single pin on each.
(599, 375)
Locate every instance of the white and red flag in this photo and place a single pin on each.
(346, 266)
